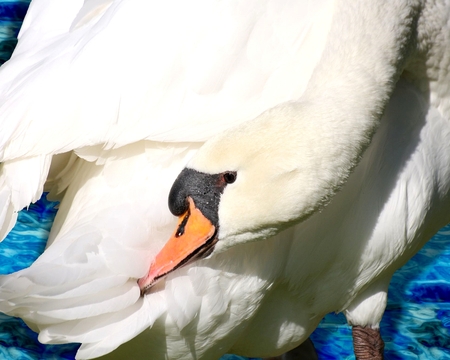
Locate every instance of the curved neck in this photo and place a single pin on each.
(305, 150)
(367, 47)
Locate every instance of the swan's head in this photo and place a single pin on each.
(246, 184)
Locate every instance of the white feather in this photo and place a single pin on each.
(128, 91)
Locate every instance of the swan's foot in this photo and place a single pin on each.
(304, 351)
(367, 343)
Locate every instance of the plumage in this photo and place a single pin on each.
(122, 94)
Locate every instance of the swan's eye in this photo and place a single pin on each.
(229, 177)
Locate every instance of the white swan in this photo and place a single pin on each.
(135, 87)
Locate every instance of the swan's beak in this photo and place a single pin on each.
(194, 238)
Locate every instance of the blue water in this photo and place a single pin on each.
(11, 16)
(416, 324)
(22, 246)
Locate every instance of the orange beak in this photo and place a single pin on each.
(193, 238)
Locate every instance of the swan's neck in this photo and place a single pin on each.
(293, 158)
(367, 47)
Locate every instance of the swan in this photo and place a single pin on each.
(284, 93)
(259, 178)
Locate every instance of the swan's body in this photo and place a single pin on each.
(136, 101)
